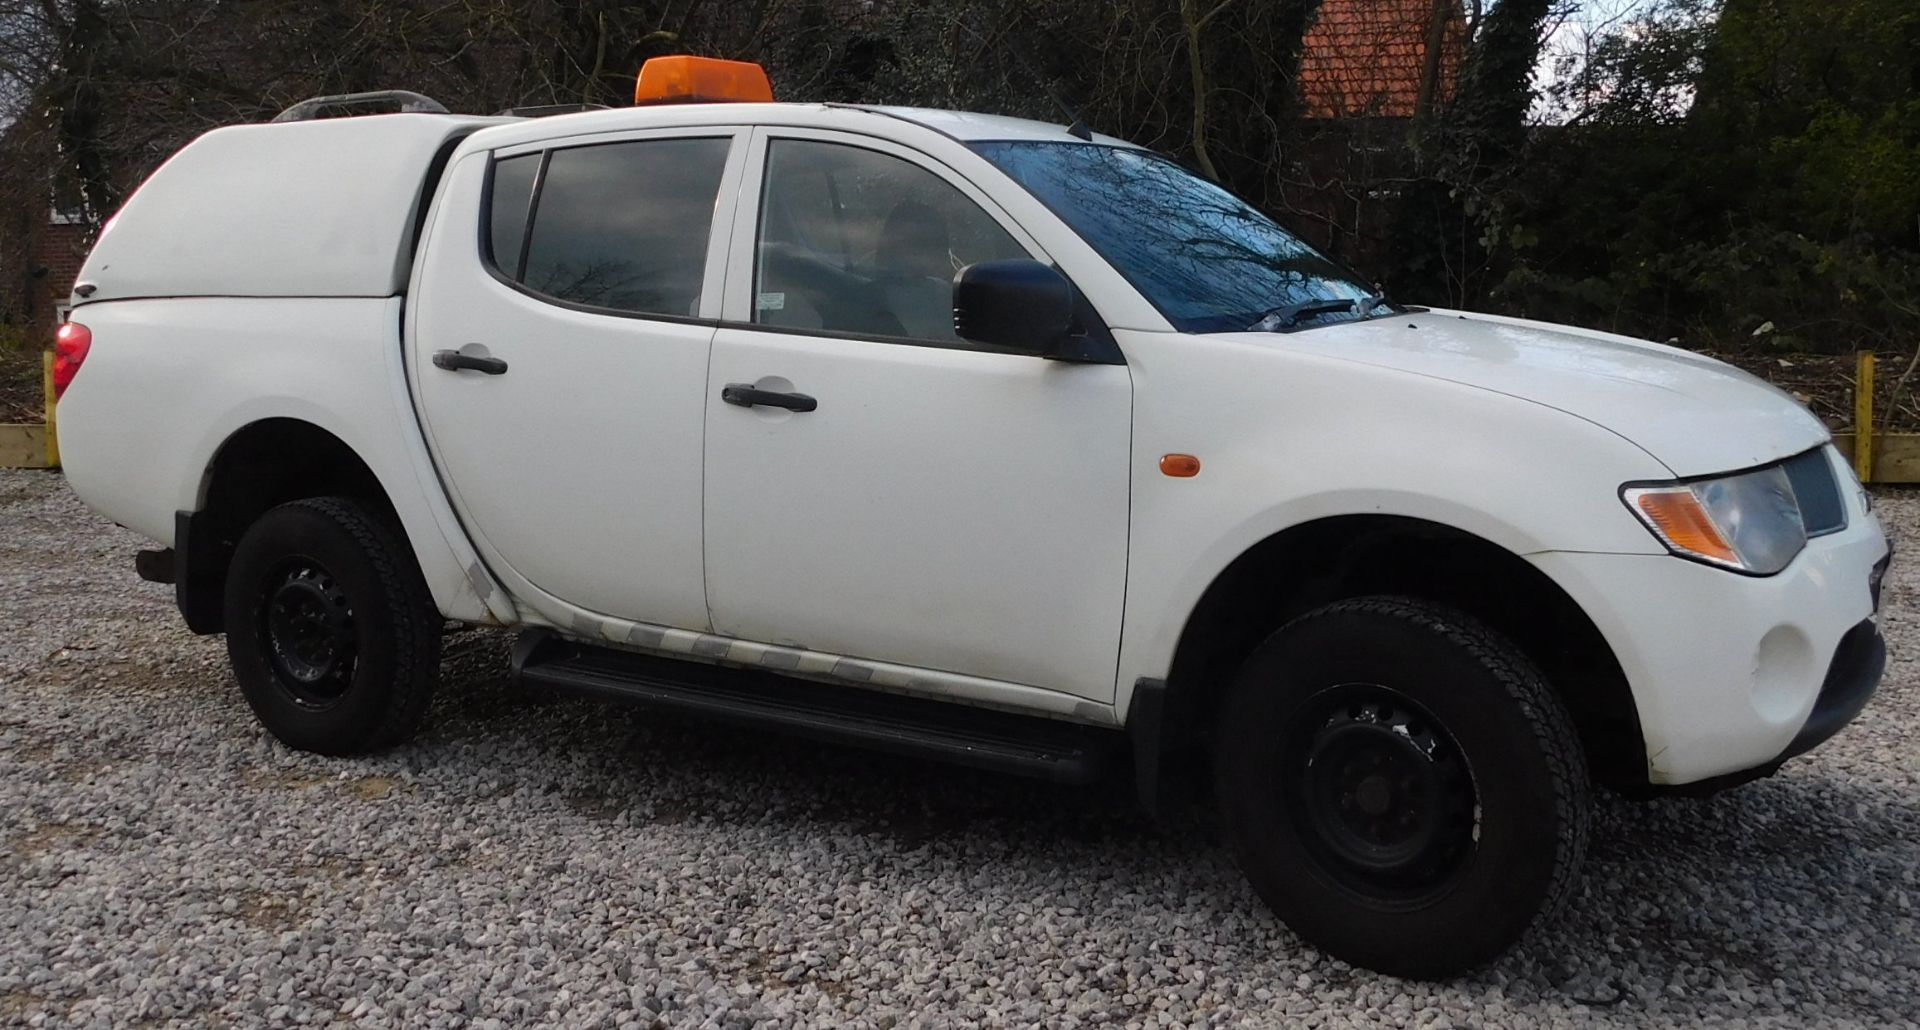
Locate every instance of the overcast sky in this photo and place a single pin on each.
(1574, 33)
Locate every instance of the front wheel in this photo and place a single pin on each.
(1401, 786)
(333, 635)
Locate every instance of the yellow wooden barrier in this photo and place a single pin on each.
(1863, 416)
(32, 445)
(49, 399)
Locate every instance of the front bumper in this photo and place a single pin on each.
(1851, 680)
(1732, 675)
(1850, 684)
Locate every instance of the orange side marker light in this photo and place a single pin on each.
(1179, 466)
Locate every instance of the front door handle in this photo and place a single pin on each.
(746, 395)
(454, 361)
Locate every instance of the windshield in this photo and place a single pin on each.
(1207, 260)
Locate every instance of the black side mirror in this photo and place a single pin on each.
(1018, 303)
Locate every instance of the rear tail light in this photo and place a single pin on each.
(70, 346)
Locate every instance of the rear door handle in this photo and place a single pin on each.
(747, 395)
(454, 361)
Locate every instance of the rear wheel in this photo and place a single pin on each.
(333, 635)
(1400, 785)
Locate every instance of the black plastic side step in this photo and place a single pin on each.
(1001, 741)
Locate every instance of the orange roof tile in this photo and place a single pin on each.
(1364, 58)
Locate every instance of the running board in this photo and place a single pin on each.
(984, 738)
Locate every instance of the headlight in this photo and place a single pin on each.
(1750, 522)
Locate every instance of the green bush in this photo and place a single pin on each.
(17, 339)
(1741, 176)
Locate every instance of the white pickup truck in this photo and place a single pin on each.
(966, 437)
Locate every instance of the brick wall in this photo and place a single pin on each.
(60, 250)
(40, 270)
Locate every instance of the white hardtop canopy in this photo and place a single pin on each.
(318, 208)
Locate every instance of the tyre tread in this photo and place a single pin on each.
(1552, 726)
(1505, 670)
(414, 623)
(416, 632)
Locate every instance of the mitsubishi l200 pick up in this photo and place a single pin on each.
(968, 437)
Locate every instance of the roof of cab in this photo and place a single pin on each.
(980, 128)
(960, 125)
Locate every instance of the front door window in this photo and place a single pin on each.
(857, 242)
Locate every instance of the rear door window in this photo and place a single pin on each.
(508, 202)
(621, 226)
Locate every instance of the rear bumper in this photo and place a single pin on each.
(1733, 675)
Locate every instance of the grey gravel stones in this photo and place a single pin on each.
(535, 861)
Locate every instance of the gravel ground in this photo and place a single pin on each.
(536, 861)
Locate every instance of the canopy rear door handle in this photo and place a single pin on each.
(746, 395)
(454, 361)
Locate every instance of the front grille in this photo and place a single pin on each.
(1822, 509)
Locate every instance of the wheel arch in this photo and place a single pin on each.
(264, 448)
(257, 466)
(1337, 557)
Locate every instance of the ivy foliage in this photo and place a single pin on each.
(1735, 175)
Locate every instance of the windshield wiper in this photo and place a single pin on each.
(1287, 316)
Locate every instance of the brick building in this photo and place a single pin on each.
(41, 266)
(1367, 70)
(58, 253)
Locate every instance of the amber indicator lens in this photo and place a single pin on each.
(1180, 466)
(1679, 517)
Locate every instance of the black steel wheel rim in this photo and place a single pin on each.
(1381, 794)
(306, 629)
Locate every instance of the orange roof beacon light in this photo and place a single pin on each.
(698, 80)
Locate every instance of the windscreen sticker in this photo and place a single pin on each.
(772, 302)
